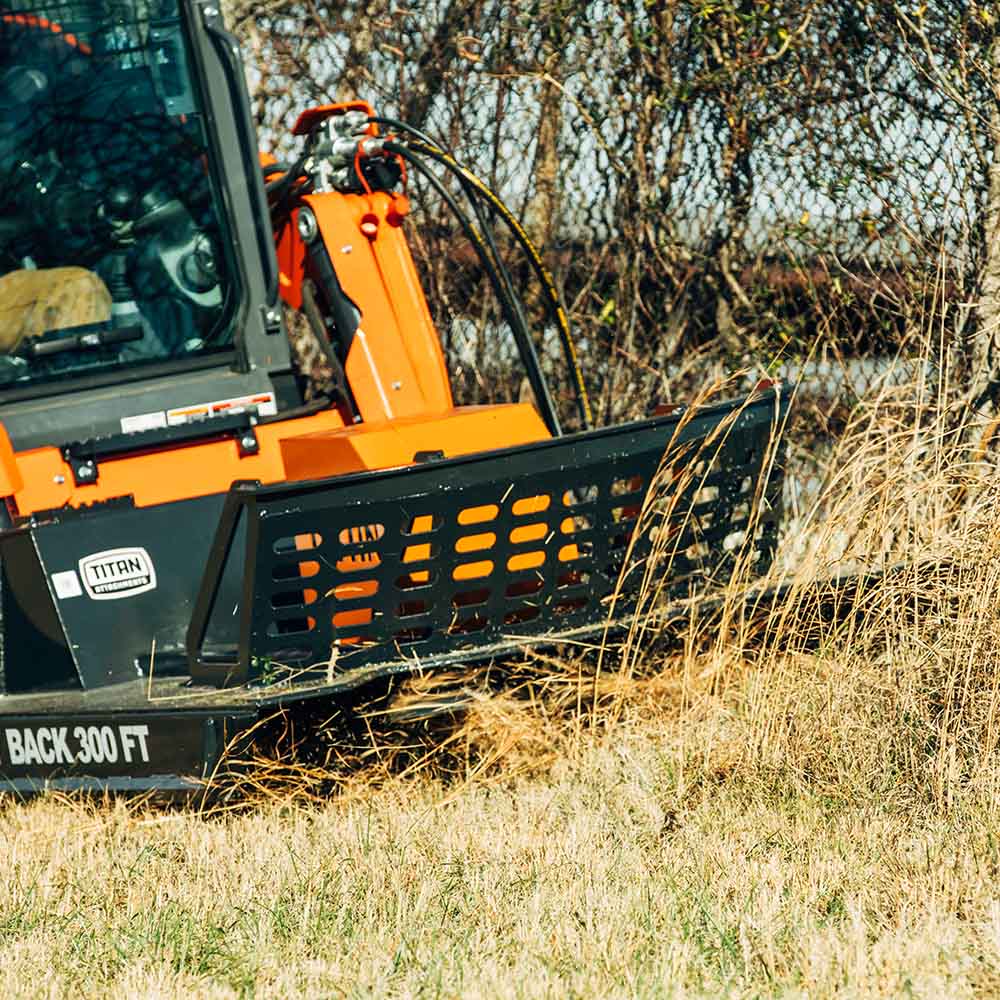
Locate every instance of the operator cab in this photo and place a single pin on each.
(120, 210)
(103, 168)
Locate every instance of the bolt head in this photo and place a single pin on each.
(307, 226)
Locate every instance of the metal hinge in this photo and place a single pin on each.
(211, 15)
(247, 443)
(85, 471)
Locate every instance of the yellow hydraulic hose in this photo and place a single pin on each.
(543, 273)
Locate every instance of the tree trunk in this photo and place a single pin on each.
(355, 80)
(542, 209)
(985, 348)
(435, 62)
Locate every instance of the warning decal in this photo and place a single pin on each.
(264, 401)
(158, 419)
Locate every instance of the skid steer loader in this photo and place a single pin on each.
(189, 543)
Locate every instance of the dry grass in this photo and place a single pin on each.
(649, 863)
(792, 804)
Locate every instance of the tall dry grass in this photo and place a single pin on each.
(890, 683)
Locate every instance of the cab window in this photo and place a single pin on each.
(112, 249)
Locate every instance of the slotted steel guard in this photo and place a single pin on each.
(464, 559)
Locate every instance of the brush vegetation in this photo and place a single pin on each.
(791, 802)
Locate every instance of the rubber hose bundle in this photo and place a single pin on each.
(480, 195)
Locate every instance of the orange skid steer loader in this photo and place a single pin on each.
(189, 543)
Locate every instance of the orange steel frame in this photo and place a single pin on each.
(395, 368)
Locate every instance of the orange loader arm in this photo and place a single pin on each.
(394, 363)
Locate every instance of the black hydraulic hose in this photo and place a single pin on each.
(542, 273)
(403, 127)
(470, 182)
(470, 192)
(281, 185)
(522, 337)
(303, 186)
(279, 167)
(434, 147)
(280, 206)
(486, 231)
(285, 181)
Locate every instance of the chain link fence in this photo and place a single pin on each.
(799, 188)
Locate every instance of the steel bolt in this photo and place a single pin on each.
(307, 225)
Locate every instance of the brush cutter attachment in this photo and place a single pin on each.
(463, 560)
(313, 589)
(188, 548)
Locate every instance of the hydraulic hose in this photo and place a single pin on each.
(485, 230)
(284, 190)
(287, 179)
(278, 167)
(512, 314)
(279, 189)
(542, 273)
(470, 182)
(470, 191)
(403, 127)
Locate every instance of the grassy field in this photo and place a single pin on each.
(804, 809)
(651, 862)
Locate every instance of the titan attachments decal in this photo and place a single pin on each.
(116, 573)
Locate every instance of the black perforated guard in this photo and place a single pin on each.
(393, 547)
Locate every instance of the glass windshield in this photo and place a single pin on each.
(111, 248)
